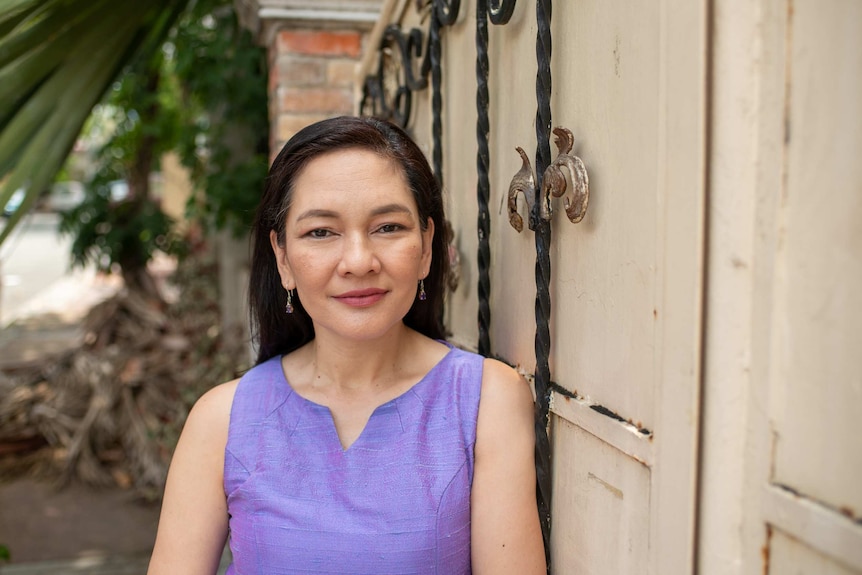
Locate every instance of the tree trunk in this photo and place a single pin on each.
(134, 264)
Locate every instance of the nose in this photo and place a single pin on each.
(359, 256)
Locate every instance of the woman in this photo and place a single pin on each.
(360, 442)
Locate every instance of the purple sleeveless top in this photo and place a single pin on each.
(396, 502)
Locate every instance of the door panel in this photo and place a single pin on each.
(818, 381)
(627, 284)
(782, 454)
(789, 556)
(608, 492)
(605, 269)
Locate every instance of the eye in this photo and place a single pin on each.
(390, 228)
(319, 233)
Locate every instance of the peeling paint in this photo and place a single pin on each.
(618, 493)
(558, 390)
(639, 460)
(844, 510)
(764, 551)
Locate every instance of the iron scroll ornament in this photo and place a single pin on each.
(554, 184)
(446, 11)
(389, 93)
(405, 62)
(500, 11)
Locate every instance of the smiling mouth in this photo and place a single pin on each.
(361, 298)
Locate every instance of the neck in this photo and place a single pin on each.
(360, 365)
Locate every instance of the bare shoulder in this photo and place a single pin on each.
(504, 391)
(212, 410)
(505, 408)
(497, 371)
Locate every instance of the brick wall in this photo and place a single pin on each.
(311, 78)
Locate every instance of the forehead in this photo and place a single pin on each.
(350, 175)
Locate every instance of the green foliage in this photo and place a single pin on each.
(57, 57)
(225, 139)
(125, 233)
(4, 553)
(204, 95)
(143, 107)
(232, 194)
(142, 112)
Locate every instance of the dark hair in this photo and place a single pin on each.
(278, 332)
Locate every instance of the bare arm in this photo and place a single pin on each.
(506, 536)
(194, 522)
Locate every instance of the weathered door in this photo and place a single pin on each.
(782, 452)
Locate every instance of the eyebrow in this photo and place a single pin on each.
(379, 211)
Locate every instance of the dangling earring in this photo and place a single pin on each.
(422, 295)
(289, 307)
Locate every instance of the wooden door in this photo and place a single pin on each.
(627, 288)
(782, 454)
(629, 81)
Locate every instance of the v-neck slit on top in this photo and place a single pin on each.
(397, 500)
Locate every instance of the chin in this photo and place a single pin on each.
(366, 331)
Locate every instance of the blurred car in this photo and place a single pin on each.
(65, 196)
(14, 202)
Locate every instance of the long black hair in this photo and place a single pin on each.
(278, 332)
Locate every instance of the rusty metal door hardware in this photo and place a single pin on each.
(554, 184)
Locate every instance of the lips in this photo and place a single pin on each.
(361, 298)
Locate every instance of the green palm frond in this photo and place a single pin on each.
(57, 59)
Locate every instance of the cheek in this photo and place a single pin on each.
(409, 252)
(306, 267)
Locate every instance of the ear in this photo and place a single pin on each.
(281, 261)
(427, 241)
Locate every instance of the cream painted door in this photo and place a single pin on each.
(628, 284)
(782, 453)
(629, 80)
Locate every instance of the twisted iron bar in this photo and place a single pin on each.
(444, 13)
(435, 49)
(483, 188)
(543, 271)
(499, 12)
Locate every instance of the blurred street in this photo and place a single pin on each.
(78, 529)
(43, 300)
(31, 260)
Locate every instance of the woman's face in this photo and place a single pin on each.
(354, 248)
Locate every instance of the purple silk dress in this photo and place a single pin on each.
(396, 502)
